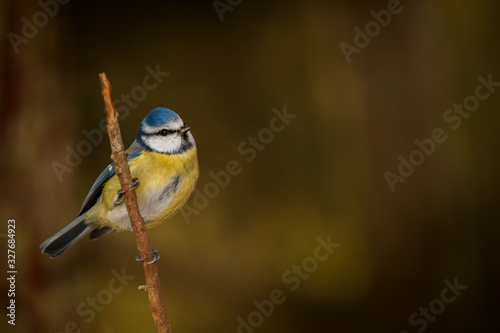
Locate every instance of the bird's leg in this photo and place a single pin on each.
(156, 257)
(118, 199)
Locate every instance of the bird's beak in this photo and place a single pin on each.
(184, 129)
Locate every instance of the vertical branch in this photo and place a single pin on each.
(119, 157)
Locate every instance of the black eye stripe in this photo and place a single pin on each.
(165, 132)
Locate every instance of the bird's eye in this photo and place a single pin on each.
(165, 132)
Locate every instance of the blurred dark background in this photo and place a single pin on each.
(322, 175)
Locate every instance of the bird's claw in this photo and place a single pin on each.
(156, 257)
(135, 183)
(119, 194)
(118, 199)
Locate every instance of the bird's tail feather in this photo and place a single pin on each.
(61, 241)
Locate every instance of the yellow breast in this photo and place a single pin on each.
(166, 182)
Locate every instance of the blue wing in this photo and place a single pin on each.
(96, 189)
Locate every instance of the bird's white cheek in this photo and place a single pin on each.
(163, 144)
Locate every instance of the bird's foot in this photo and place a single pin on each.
(118, 199)
(135, 183)
(156, 257)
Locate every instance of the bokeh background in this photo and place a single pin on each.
(322, 175)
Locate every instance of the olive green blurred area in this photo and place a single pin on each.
(356, 164)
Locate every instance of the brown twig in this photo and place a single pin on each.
(119, 157)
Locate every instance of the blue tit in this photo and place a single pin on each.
(164, 160)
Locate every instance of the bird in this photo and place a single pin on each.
(163, 162)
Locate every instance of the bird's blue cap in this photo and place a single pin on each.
(160, 116)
